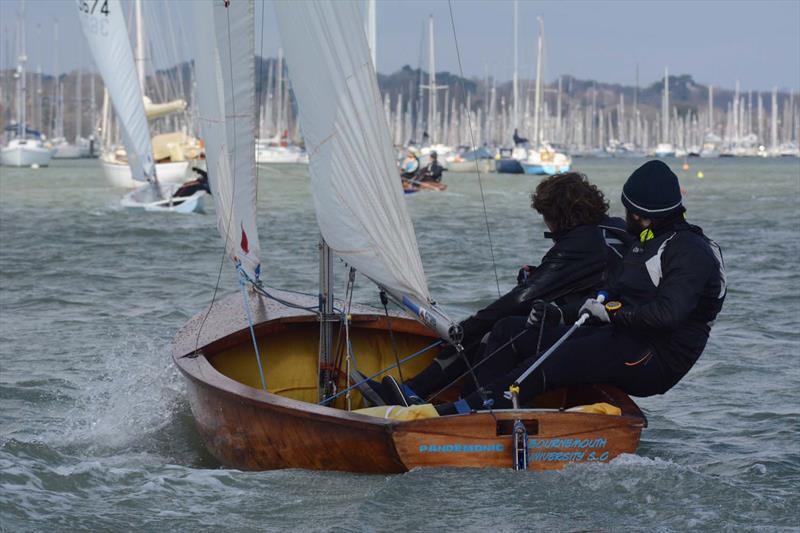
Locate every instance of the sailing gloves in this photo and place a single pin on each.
(524, 273)
(595, 309)
(546, 313)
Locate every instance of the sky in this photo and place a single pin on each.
(717, 42)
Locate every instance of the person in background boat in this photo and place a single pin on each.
(519, 140)
(671, 286)
(432, 172)
(191, 187)
(410, 166)
(586, 244)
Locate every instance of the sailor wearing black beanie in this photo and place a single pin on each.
(671, 287)
(652, 191)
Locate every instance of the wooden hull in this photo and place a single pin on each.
(248, 428)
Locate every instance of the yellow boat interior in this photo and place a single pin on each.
(289, 351)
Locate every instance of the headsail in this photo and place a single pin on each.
(224, 67)
(357, 192)
(104, 27)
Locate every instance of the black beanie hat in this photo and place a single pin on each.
(652, 191)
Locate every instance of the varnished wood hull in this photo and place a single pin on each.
(250, 429)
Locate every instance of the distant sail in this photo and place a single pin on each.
(104, 27)
(224, 59)
(357, 192)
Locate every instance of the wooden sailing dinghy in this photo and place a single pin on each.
(263, 367)
(247, 428)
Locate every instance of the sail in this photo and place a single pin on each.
(225, 74)
(358, 197)
(104, 27)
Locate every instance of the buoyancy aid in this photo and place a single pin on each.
(672, 285)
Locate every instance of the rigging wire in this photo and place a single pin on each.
(474, 148)
(230, 210)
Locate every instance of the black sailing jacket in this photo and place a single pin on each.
(671, 287)
(572, 270)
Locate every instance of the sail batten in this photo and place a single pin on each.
(106, 32)
(224, 65)
(357, 193)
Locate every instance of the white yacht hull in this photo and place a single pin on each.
(140, 199)
(119, 174)
(272, 156)
(26, 154)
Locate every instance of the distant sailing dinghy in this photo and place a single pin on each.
(270, 373)
(105, 31)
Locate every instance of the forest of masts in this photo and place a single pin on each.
(591, 121)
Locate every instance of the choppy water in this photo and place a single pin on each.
(96, 433)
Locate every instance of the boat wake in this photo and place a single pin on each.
(134, 395)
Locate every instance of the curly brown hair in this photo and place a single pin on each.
(568, 200)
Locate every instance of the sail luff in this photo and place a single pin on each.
(107, 35)
(226, 102)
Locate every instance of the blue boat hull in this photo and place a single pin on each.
(545, 169)
(508, 166)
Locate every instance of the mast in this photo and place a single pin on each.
(559, 131)
(22, 89)
(327, 318)
(773, 137)
(372, 32)
(140, 46)
(78, 105)
(711, 108)
(636, 130)
(538, 94)
(37, 103)
(665, 109)
(516, 75)
(431, 84)
(279, 90)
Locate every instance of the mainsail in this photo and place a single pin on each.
(104, 27)
(224, 68)
(358, 197)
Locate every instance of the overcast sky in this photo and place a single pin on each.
(717, 42)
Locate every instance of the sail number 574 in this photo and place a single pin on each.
(93, 6)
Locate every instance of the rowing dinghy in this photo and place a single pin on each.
(270, 373)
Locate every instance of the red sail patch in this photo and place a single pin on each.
(244, 244)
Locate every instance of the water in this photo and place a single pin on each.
(96, 431)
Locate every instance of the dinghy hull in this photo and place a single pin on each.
(248, 428)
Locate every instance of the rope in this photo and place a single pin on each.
(243, 279)
(379, 372)
(474, 148)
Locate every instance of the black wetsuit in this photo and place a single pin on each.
(671, 287)
(431, 172)
(573, 269)
(191, 187)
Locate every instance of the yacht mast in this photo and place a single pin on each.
(22, 89)
(711, 108)
(665, 109)
(431, 84)
(538, 94)
(516, 64)
(279, 90)
(140, 47)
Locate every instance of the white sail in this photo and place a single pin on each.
(225, 73)
(358, 197)
(104, 27)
